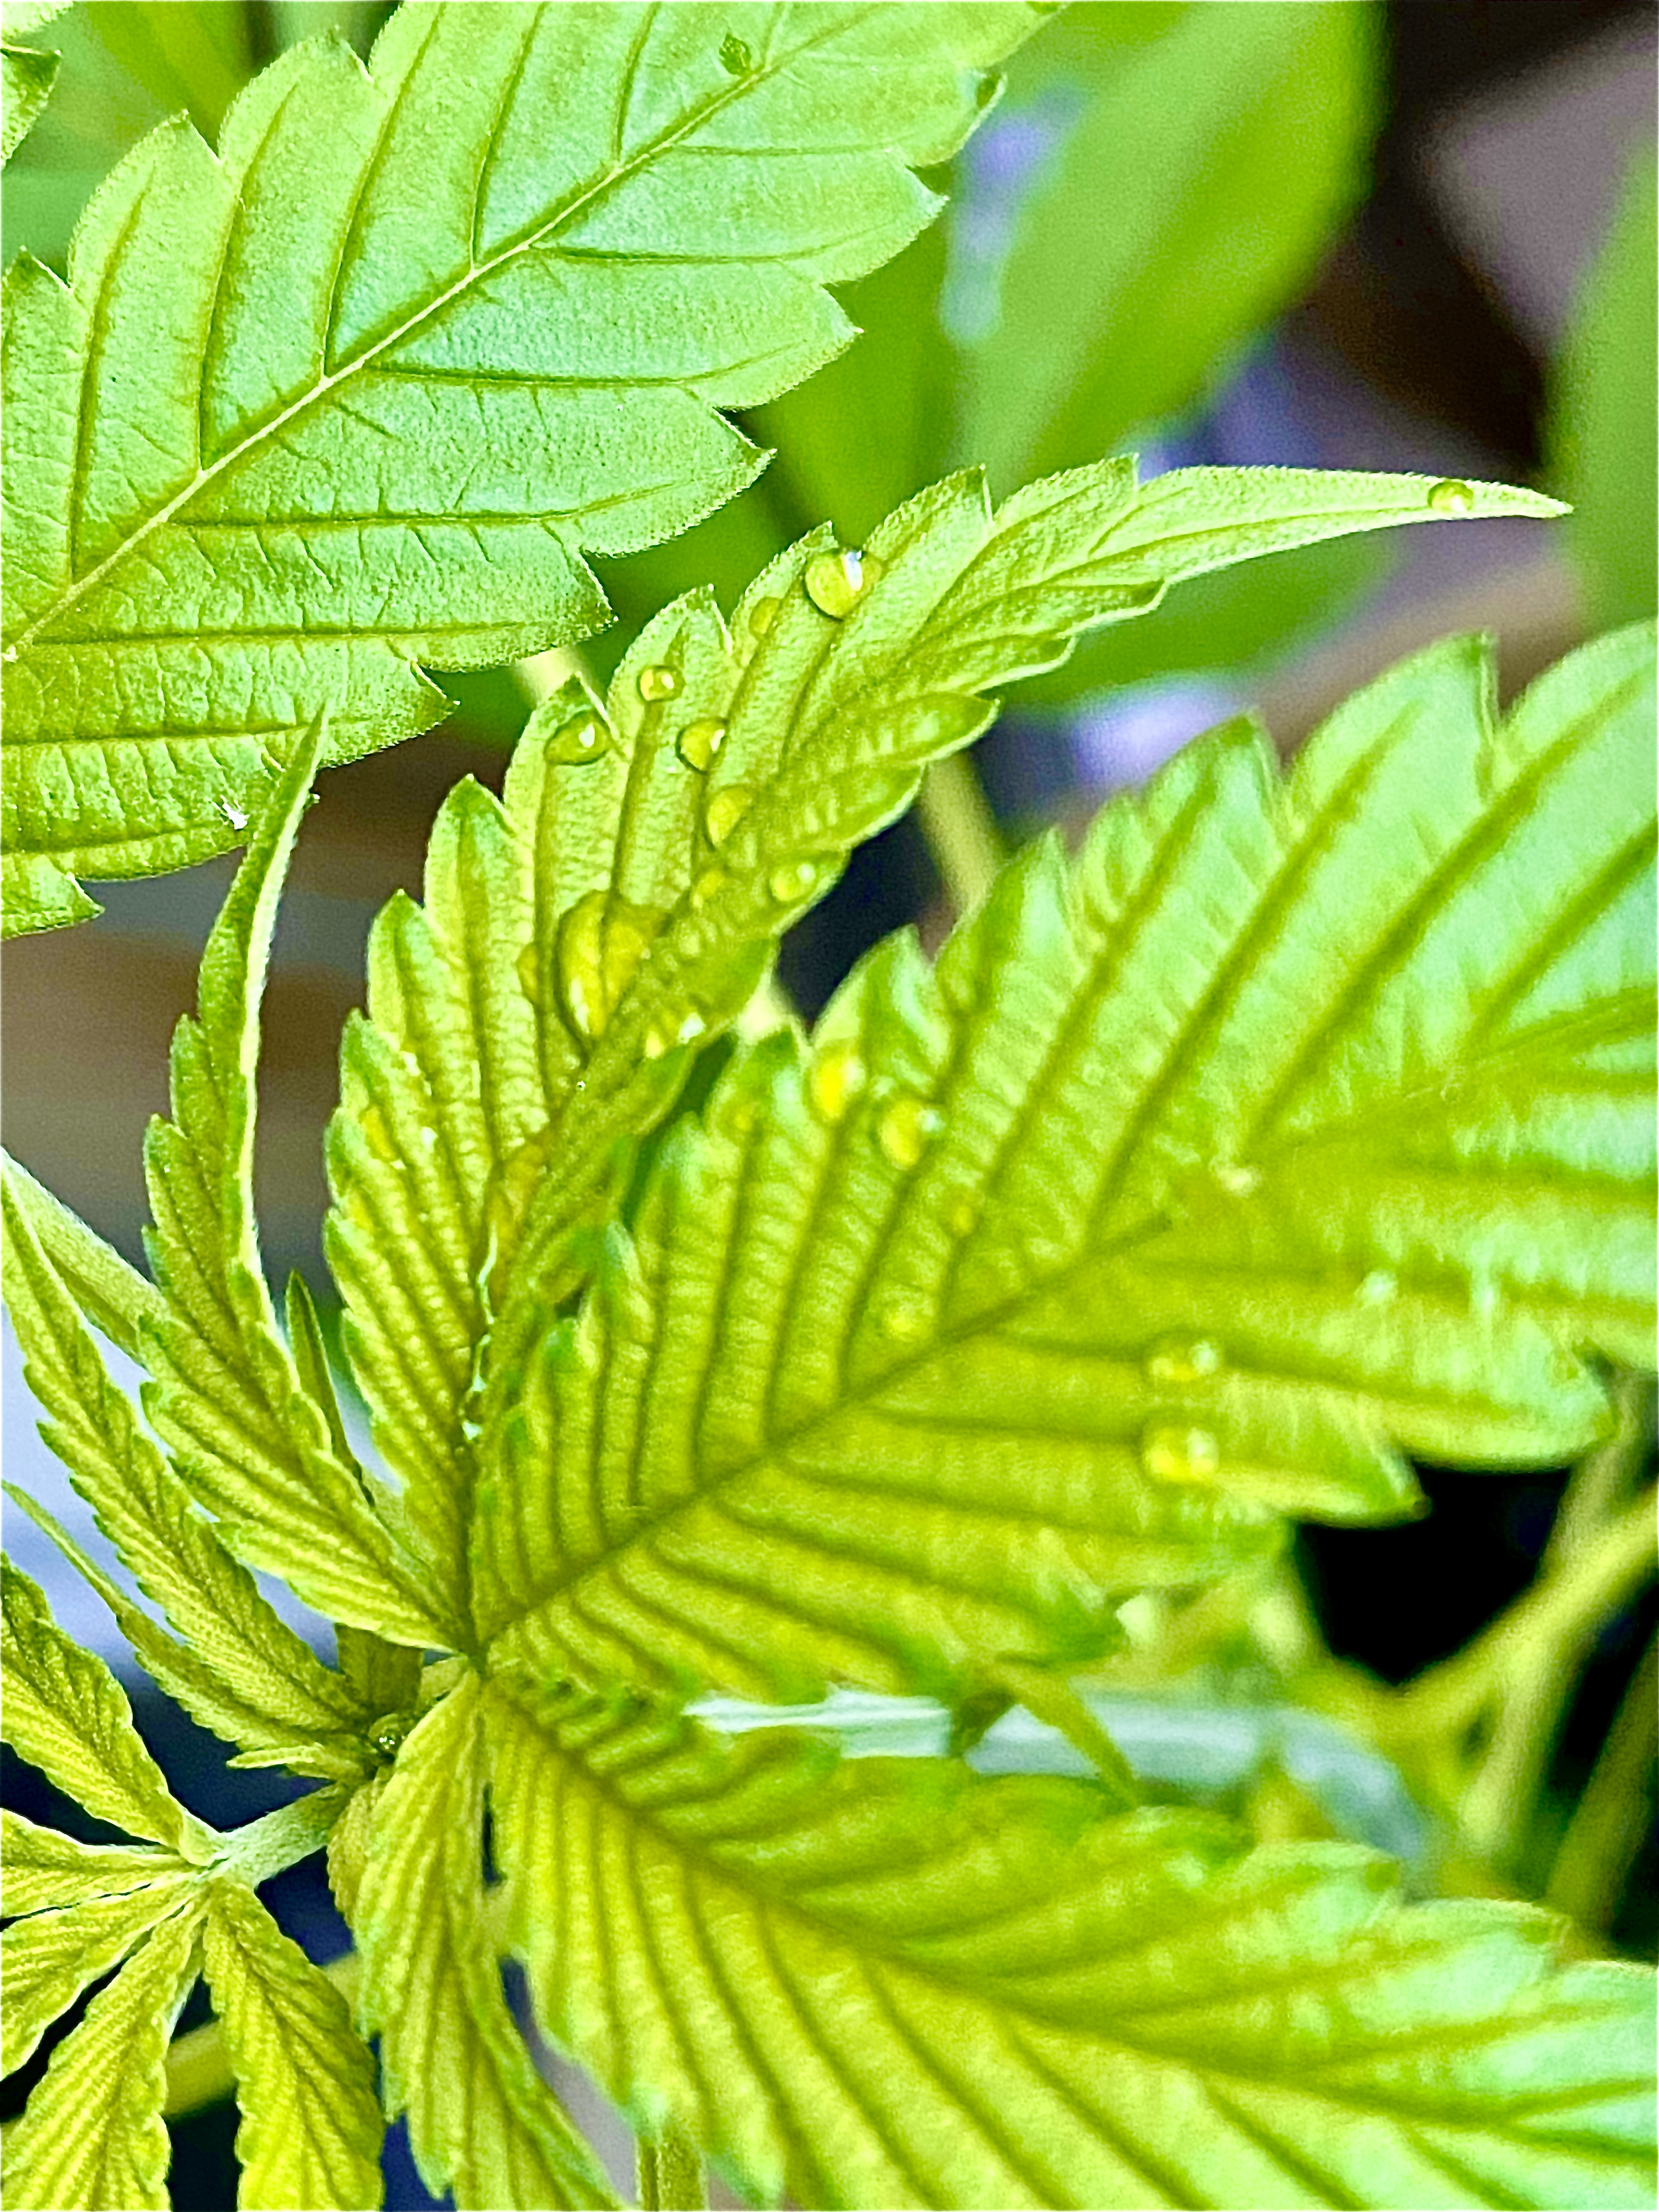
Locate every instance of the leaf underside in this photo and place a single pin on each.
(355, 392)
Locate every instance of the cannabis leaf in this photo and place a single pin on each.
(1301, 1120)
(623, 901)
(49, 1958)
(26, 76)
(310, 2126)
(357, 392)
(482, 2122)
(92, 2134)
(43, 1870)
(239, 1669)
(252, 1442)
(891, 1981)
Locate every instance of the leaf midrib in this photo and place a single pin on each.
(585, 198)
(1610, 1015)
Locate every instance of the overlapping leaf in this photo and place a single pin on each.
(92, 2135)
(649, 854)
(1302, 1120)
(41, 1869)
(252, 1442)
(310, 2132)
(892, 1983)
(482, 2122)
(239, 1669)
(357, 392)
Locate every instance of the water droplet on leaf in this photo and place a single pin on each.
(725, 809)
(699, 742)
(1237, 1181)
(1378, 1288)
(657, 683)
(836, 582)
(1451, 495)
(963, 1217)
(529, 965)
(761, 615)
(577, 742)
(794, 881)
(903, 1320)
(1183, 1360)
(835, 1080)
(378, 1135)
(735, 58)
(602, 940)
(907, 1126)
(709, 883)
(1169, 1452)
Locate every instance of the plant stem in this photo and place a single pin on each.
(961, 830)
(1605, 1832)
(1549, 1619)
(671, 2174)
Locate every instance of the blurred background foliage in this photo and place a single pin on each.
(1418, 235)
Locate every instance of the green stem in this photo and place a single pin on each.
(199, 2067)
(282, 1839)
(1549, 1619)
(671, 2174)
(1605, 1832)
(961, 830)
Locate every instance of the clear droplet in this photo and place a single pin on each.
(761, 615)
(1451, 495)
(735, 58)
(699, 742)
(529, 966)
(1378, 1288)
(657, 683)
(583, 739)
(836, 582)
(907, 1126)
(1169, 1452)
(602, 940)
(429, 1139)
(378, 1135)
(834, 1081)
(903, 1320)
(386, 1734)
(1181, 1361)
(1237, 1181)
(236, 816)
(794, 881)
(725, 809)
(709, 883)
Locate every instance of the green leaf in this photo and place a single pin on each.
(92, 2135)
(115, 1298)
(251, 1442)
(25, 79)
(358, 393)
(311, 2127)
(1304, 1119)
(240, 1670)
(1603, 430)
(50, 1957)
(43, 1870)
(1191, 201)
(482, 2122)
(529, 1019)
(65, 1713)
(894, 1983)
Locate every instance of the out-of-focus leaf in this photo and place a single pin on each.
(1604, 428)
(1188, 206)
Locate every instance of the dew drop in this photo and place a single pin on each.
(1451, 495)
(428, 1137)
(529, 965)
(674, 1026)
(378, 1135)
(711, 881)
(762, 615)
(834, 1081)
(907, 1126)
(657, 683)
(602, 940)
(735, 56)
(577, 742)
(1379, 1288)
(1237, 1181)
(903, 1320)
(836, 582)
(962, 1218)
(725, 809)
(794, 881)
(699, 742)
(236, 816)
(1172, 1453)
(386, 1734)
(1183, 1360)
